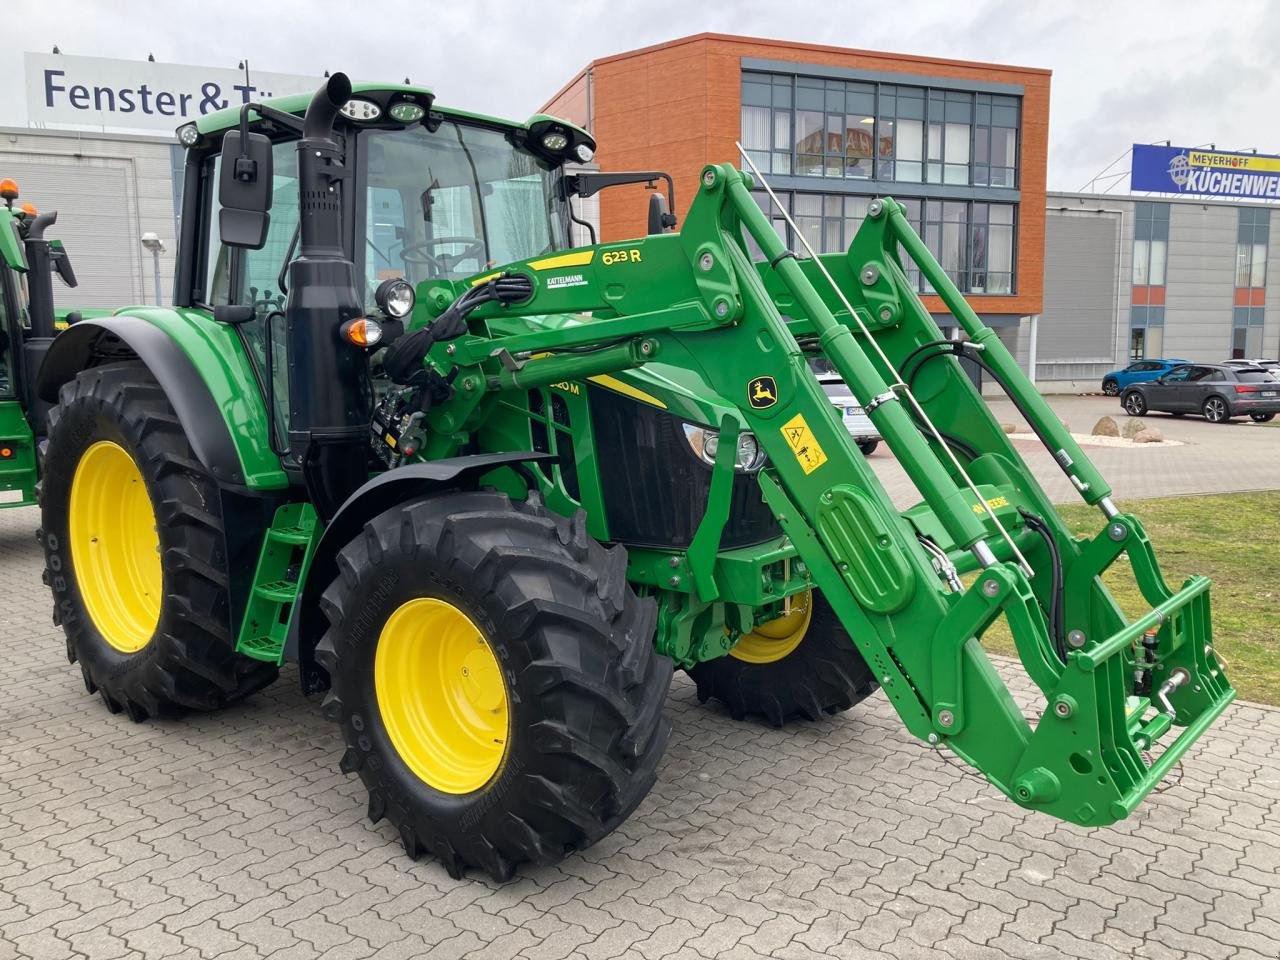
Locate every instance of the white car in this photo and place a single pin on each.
(855, 418)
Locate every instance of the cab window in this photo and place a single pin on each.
(8, 386)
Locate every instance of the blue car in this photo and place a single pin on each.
(1136, 372)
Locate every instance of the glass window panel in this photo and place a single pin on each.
(861, 98)
(1253, 342)
(756, 94)
(1001, 213)
(935, 141)
(811, 228)
(809, 94)
(910, 103)
(782, 130)
(1155, 341)
(782, 92)
(831, 205)
(1141, 261)
(782, 163)
(959, 108)
(755, 127)
(1003, 146)
(1004, 116)
(831, 237)
(835, 96)
(808, 204)
(1243, 263)
(1238, 343)
(1259, 272)
(1157, 262)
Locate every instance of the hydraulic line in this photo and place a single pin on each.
(981, 550)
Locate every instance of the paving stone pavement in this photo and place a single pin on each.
(233, 835)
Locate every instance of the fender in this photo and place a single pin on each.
(204, 372)
(379, 494)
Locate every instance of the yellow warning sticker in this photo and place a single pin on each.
(800, 438)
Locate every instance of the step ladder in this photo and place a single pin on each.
(286, 554)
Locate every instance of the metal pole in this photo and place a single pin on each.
(155, 255)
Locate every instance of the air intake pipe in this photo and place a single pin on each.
(328, 378)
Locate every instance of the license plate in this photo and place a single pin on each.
(1268, 393)
(853, 411)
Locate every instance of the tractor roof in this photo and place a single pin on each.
(214, 123)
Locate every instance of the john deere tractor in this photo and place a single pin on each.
(28, 323)
(486, 490)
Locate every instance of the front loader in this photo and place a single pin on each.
(28, 324)
(486, 489)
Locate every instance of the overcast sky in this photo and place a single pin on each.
(1123, 72)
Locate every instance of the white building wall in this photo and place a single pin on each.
(108, 191)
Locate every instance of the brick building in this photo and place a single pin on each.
(962, 144)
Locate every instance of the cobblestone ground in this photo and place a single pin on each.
(234, 836)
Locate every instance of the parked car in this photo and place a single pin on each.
(1113, 383)
(855, 418)
(1271, 366)
(1217, 391)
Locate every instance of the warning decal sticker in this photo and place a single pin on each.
(800, 438)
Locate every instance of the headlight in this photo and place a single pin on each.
(394, 297)
(705, 444)
(584, 152)
(554, 141)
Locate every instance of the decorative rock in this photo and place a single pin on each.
(1132, 427)
(1149, 435)
(1106, 427)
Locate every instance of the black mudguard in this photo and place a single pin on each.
(379, 494)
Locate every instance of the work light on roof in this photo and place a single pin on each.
(406, 112)
(584, 152)
(555, 141)
(361, 110)
(188, 134)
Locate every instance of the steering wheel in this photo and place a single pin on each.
(421, 253)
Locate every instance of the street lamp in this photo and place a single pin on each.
(151, 241)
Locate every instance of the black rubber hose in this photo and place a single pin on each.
(1057, 612)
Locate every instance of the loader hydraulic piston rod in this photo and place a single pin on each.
(1066, 452)
(894, 423)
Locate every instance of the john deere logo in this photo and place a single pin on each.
(762, 392)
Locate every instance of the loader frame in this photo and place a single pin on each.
(695, 300)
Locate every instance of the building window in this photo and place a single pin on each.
(995, 143)
(766, 122)
(1251, 247)
(973, 241)
(1150, 243)
(862, 130)
(1146, 332)
(1246, 333)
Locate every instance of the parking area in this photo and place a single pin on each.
(234, 835)
(1209, 458)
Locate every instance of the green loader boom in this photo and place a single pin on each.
(694, 300)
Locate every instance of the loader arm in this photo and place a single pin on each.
(695, 300)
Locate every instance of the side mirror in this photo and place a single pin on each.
(661, 219)
(244, 189)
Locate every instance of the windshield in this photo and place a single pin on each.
(453, 203)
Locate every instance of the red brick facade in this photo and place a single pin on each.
(676, 107)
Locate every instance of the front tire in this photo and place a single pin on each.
(868, 447)
(1111, 388)
(1215, 410)
(131, 524)
(1134, 403)
(495, 679)
(802, 666)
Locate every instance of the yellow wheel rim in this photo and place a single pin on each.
(770, 642)
(114, 547)
(441, 695)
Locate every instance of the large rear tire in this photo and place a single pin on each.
(131, 525)
(495, 680)
(802, 666)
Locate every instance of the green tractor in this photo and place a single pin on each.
(28, 324)
(486, 490)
